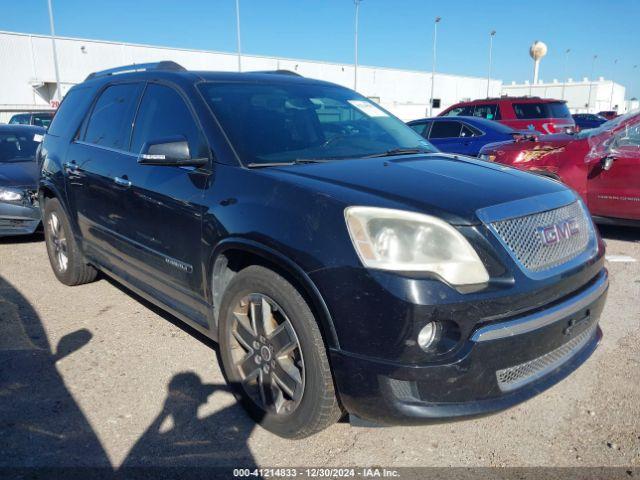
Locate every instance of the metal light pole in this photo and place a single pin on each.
(566, 60)
(355, 63)
(491, 35)
(55, 54)
(593, 66)
(433, 66)
(615, 62)
(238, 35)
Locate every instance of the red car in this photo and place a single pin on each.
(601, 164)
(520, 113)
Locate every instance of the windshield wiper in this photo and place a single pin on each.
(297, 161)
(397, 151)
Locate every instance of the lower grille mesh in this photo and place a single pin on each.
(515, 377)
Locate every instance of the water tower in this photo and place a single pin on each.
(537, 51)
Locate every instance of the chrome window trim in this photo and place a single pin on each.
(546, 317)
(108, 149)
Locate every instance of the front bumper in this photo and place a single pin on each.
(502, 364)
(18, 219)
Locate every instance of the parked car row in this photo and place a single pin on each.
(601, 164)
(520, 113)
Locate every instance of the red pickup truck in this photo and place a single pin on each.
(601, 164)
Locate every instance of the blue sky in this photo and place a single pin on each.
(393, 33)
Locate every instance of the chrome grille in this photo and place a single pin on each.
(519, 375)
(523, 237)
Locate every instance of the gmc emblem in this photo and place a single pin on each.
(552, 234)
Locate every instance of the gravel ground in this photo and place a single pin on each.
(93, 375)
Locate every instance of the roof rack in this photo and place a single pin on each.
(279, 72)
(165, 65)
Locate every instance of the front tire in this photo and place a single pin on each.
(66, 259)
(273, 355)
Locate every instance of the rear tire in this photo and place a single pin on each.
(67, 261)
(273, 355)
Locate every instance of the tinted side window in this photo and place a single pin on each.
(530, 110)
(19, 120)
(490, 112)
(112, 116)
(42, 120)
(419, 128)
(466, 111)
(445, 130)
(163, 114)
(70, 112)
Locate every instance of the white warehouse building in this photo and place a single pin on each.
(28, 81)
(586, 96)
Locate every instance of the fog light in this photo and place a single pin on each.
(427, 335)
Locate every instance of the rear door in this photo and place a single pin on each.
(445, 135)
(164, 216)
(96, 160)
(616, 192)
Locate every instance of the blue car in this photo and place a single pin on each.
(588, 120)
(463, 135)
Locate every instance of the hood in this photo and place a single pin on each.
(19, 174)
(448, 186)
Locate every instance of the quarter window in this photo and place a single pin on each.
(164, 115)
(445, 130)
(469, 131)
(112, 116)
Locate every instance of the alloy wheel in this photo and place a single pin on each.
(266, 354)
(58, 241)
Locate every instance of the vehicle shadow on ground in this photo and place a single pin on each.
(40, 422)
(44, 431)
(18, 239)
(616, 232)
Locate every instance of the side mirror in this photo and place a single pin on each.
(169, 152)
(606, 163)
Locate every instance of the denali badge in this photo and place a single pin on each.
(557, 232)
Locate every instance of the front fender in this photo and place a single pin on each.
(286, 265)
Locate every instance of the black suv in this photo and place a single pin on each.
(342, 264)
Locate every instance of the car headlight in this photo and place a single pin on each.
(397, 240)
(8, 195)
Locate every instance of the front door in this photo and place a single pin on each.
(164, 216)
(616, 192)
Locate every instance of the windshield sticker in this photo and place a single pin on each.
(38, 138)
(369, 109)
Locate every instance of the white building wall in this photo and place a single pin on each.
(577, 95)
(27, 60)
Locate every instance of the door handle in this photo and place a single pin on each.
(123, 182)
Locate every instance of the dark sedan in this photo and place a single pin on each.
(19, 172)
(463, 135)
(585, 121)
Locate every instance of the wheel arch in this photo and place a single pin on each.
(232, 255)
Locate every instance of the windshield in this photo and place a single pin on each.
(17, 147)
(284, 123)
